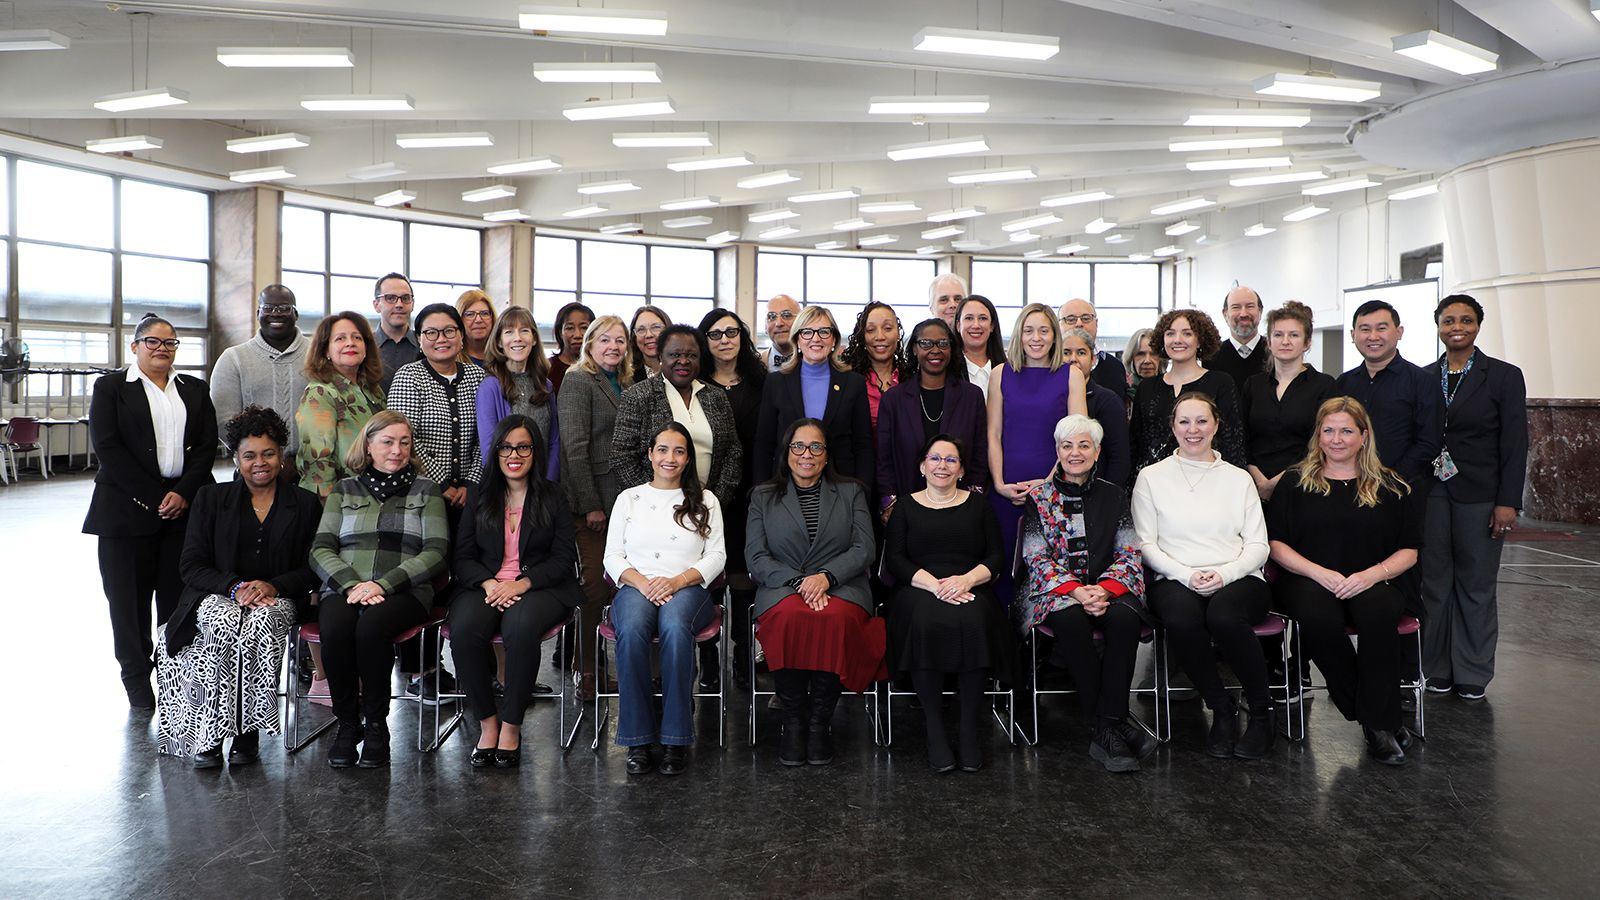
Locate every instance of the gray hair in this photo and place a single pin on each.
(1080, 334)
(1077, 424)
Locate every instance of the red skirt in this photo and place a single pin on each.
(842, 639)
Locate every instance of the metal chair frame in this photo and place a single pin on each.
(564, 738)
(1275, 623)
(721, 625)
(869, 698)
(1408, 625)
(1151, 635)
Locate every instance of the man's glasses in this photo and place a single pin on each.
(934, 459)
(276, 310)
(801, 448)
(806, 334)
(393, 299)
(785, 315)
(155, 343)
(521, 451)
(933, 343)
(434, 334)
(722, 333)
(1085, 319)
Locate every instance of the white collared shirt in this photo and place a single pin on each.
(693, 418)
(168, 416)
(979, 375)
(1245, 349)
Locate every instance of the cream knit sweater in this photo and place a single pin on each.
(1191, 516)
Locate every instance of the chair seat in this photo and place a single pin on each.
(1145, 632)
(1271, 626)
(553, 633)
(1408, 625)
(700, 637)
(311, 632)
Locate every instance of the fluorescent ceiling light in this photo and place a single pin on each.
(1100, 225)
(992, 176)
(1291, 177)
(878, 240)
(687, 221)
(597, 73)
(622, 228)
(636, 140)
(607, 187)
(1069, 249)
(1075, 199)
(358, 103)
(439, 139)
(530, 164)
(1417, 190)
(1035, 254)
(1178, 229)
(588, 209)
(267, 173)
(394, 198)
(1302, 213)
(618, 109)
(768, 179)
(1445, 52)
(722, 237)
(848, 193)
(1027, 222)
(375, 172)
(701, 163)
(1232, 163)
(1259, 229)
(967, 245)
(492, 192)
(778, 231)
(855, 224)
(1340, 185)
(507, 215)
(125, 144)
(592, 20)
(935, 149)
(831, 245)
(889, 206)
(691, 203)
(1203, 239)
(151, 99)
(286, 57)
(1187, 204)
(268, 142)
(942, 232)
(927, 106)
(1225, 142)
(773, 215)
(1249, 118)
(929, 250)
(1168, 250)
(1138, 257)
(1118, 238)
(952, 215)
(987, 43)
(1316, 87)
(34, 39)
(1018, 237)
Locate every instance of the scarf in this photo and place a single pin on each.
(384, 485)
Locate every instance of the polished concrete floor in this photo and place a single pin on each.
(1503, 800)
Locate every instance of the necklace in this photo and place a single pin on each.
(1196, 482)
(922, 398)
(936, 503)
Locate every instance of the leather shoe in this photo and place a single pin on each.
(482, 757)
(246, 749)
(208, 759)
(1224, 736)
(140, 696)
(639, 761)
(674, 761)
(1383, 748)
(508, 759)
(1404, 737)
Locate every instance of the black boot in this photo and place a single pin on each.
(1109, 749)
(1224, 730)
(342, 755)
(1383, 748)
(792, 688)
(375, 749)
(246, 749)
(825, 689)
(1259, 733)
(710, 667)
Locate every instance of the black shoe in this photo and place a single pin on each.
(1470, 691)
(1110, 749)
(425, 690)
(1440, 686)
(940, 759)
(1404, 738)
(970, 757)
(825, 689)
(1383, 748)
(375, 749)
(1259, 734)
(508, 759)
(710, 669)
(674, 761)
(792, 748)
(819, 744)
(342, 755)
(1137, 739)
(540, 689)
(482, 757)
(639, 761)
(245, 750)
(208, 759)
(140, 696)
(1224, 736)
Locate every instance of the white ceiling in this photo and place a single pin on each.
(787, 82)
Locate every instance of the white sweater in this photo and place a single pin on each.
(1191, 516)
(643, 536)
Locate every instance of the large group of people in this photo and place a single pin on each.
(893, 504)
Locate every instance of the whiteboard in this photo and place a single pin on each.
(1415, 301)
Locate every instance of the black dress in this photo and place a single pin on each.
(745, 398)
(926, 633)
(1151, 426)
(1279, 429)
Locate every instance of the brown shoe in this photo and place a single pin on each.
(586, 688)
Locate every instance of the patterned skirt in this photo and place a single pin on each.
(225, 683)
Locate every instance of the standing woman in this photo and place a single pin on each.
(664, 547)
(590, 392)
(815, 384)
(513, 562)
(1140, 359)
(344, 388)
(438, 394)
(646, 327)
(1184, 337)
(517, 382)
(978, 326)
(876, 353)
(1093, 399)
(155, 433)
(478, 319)
(1483, 428)
(1280, 405)
(930, 402)
(247, 579)
(1202, 533)
(382, 539)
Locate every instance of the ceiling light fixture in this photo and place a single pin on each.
(1249, 118)
(927, 106)
(1340, 185)
(1445, 52)
(831, 245)
(507, 215)
(691, 203)
(394, 198)
(1233, 163)
(1178, 229)
(1077, 198)
(855, 224)
(1302, 213)
(942, 232)
(1019, 237)
(701, 163)
(588, 209)
(772, 215)
(376, 172)
(889, 206)
(1009, 45)
(1316, 87)
(722, 237)
(268, 142)
(1225, 142)
(442, 139)
(776, 232)
(936, 149)
(1027, 222)
(286, 57)
(1419, 190)
(597, 73)
(151, 99)
(1035, 254)
(618, 109)
(878, 240)
(1100, 225)
(953, 215)
(266, 173)
(1290, 177)
(358, 103)
(607, 187)
(848, 193)
(34, 39)
(1069, 249)
(768, 179)
(126, 144)
(993, 176)
(687, 221)
(523, 166)
(967, 245)
(492, 192)
(1187, 204)
(1259, 229)
(1168, 250)
(1138, 257)
(592, 20)
(1118, 238)
(929, 250)
(643, 140)
(622, 228)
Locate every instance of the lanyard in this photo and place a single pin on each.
(1444, 378)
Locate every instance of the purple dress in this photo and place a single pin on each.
(1035, 400)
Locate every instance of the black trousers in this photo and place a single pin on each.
(358, 651)
(1227, 618)
(1361, 684)
(132, 569)
(1101, 675)
(473, 625)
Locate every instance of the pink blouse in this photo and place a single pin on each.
(512, 566)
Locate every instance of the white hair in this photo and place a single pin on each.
(1075, 425)
(933, 286)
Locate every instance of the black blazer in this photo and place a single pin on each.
(847, 421)
(1485, 428)
(212, 541)
(547, 556)
(129, 487)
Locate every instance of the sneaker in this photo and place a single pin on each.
(1138, 740)
(1467, 691)
(424, 688)
(1440, 686)
(318, 692)
(1110, 750)
(375, 747)
(342, 755)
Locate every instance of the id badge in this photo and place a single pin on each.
(1444, 468)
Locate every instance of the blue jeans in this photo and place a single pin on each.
(637, 622)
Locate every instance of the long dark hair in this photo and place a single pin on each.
(693, 510)
(747, 365)
(497, 364)
(855, 353)
(781, 476)
(916, 335)
(492, 489)
(640, 370)
(995, 349)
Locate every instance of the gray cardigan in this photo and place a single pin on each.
(587, 410)
(254, 373)
(777, 550)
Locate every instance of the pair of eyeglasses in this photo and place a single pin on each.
(392, 299)
(934, 459)
(521, 451)
(801, 448)
(477, 314)
(785, 315)
(649, 329)
(722, 333)
(933, 343)
(434, 334)
(1085, 319)
(806, 334)
(276, 310)
(155, 343)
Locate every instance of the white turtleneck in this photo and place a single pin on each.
(1191, 516)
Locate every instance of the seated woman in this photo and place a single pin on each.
(246, 578)
(1201, 532)
(810, 548)
(943, 551)
(663, 549)
(1344, 528)
(1085, 575)
(514, 560)
(382, 539)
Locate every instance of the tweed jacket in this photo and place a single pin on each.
(588, 407)
(644, 411)
(401, 543)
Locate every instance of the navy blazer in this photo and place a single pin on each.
(128, 488)
(1485, 428)
(546, 556)
(900, 435)
(846, 420)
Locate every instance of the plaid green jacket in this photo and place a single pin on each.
(400, 544)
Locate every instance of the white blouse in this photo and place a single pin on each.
(168, 416)
(693, 418)
(1191, 516)
(643, 536)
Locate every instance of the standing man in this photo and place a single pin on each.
(393, 300)
(945, 294)
(1108, 371)
(1401, 397)
(781, 311)
(268, 370)
(1244, 353)
(572, 322)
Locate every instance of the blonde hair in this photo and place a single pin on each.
(356, 459)
(598, 327)
(1372, 476)
(1016, 357)
(808, 319)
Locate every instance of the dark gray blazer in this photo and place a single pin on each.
(777, 550)
(588, 412)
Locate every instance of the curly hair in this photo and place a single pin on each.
(1294, 311)
(255, 421)
(1205, 331)
(855, 356)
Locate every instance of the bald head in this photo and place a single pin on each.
(276, 314)
(1242, 311)
(781, 312)
(1079, 313)
(945, 294)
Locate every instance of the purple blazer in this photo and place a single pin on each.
(900, 435)
(492, 406)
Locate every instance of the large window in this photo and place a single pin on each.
(845, 283)
(616, 277)
(1126, 296)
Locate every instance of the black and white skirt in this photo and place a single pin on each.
(225, 683)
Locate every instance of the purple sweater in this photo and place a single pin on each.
(814, 388)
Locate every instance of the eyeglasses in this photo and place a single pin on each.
(806, 334)
(934, 459)
(657, 328)
(801, 448)
(155, 343)
(392, 299)
(434, 334)
(277, 310)
(477, 314)
(1085, 319)
(521, 451)
(722, 333)
(933, 343)
(785, 315)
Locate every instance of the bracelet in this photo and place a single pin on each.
(1385, 567)
(233, 592)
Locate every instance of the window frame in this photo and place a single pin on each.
(805, 276)
(1154, 307)
(650, 293)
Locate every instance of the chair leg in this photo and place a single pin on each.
(292, 741)
(565, 738)
(754, 694)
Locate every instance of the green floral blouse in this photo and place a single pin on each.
(330, 419)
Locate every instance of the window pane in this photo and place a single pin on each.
(5, 265)
(441, 253)
(1117, 324)
(175, 289)
(611, 268)
(682, 272)
(191, 351)
(303, 241)
(902, 282)
(353, 294)
(999, 281)
(87, 347)
(1055, 283)
(165, 220)
(682, 311)
(1127, 284)
(63, 205)
(57, 284)
(619, 305)
(310, 294)
(442, 293)
(546, 303)
(778, 273)
(362, 245)
(555, 264)
(5, 201)
(837, 279)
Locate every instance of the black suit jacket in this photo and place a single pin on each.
(545, 556)
(210, 551)
(847, 421)
(129, 487)
(1485, 428)
(1110, 373)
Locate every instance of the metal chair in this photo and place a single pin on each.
(606, 633)
(1276, 624)
(22, 436)
(1415, 682)
(869, 701)
(1147, 635)
(566, 630)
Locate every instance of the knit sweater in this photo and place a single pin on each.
(642, 535)
(255, 373)
(1191, 516)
